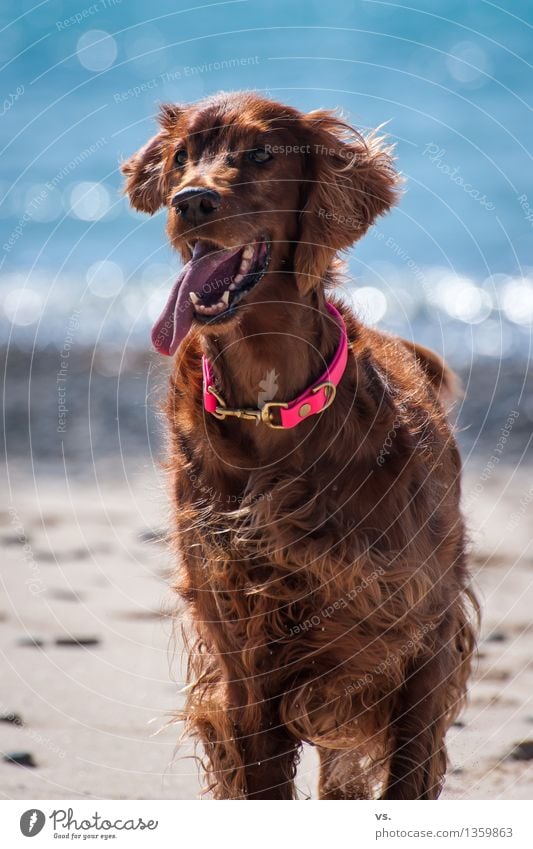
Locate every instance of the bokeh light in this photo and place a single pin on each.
(105, 278)
(96, 50)
(22, 306)
(370, 303)
(88, 201)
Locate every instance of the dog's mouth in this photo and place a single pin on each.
(209, 289)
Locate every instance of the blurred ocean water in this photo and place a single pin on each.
(452, 266)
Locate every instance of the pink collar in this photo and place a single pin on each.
(315, 399)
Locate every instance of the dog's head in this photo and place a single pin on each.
(260, 197)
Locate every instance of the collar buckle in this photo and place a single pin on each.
(221, 411)
(266, 414)
(330, 391)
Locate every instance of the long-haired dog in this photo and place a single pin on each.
(314, 476)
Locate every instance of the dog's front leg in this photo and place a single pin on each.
(248, 753)
(269, 751)
(432, 694)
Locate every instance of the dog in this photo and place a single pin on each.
(314, 477)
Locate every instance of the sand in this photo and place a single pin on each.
(83, 558)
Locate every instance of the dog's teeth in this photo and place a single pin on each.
(194, 298)
(238, 278)
(248, 252)
(225, 299)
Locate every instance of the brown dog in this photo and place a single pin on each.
(315, 481)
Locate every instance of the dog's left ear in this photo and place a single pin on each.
(351, 180)
(144, 171)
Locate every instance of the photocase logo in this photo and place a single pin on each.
(32, 822)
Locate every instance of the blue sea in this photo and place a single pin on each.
(81, 82)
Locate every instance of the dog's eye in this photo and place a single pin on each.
(259, 155)
(180, 157)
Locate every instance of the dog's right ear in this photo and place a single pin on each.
(144, 171)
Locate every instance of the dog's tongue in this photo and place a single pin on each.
(174, 322)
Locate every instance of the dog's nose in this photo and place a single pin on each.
(194, 203)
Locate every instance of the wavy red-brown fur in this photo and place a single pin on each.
(323, 568)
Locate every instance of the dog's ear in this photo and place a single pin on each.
(350, 181)
(144, 171)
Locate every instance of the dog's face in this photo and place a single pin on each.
(255, 191)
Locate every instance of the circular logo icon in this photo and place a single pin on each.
(32, 822)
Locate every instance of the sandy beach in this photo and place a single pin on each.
(92, 672)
